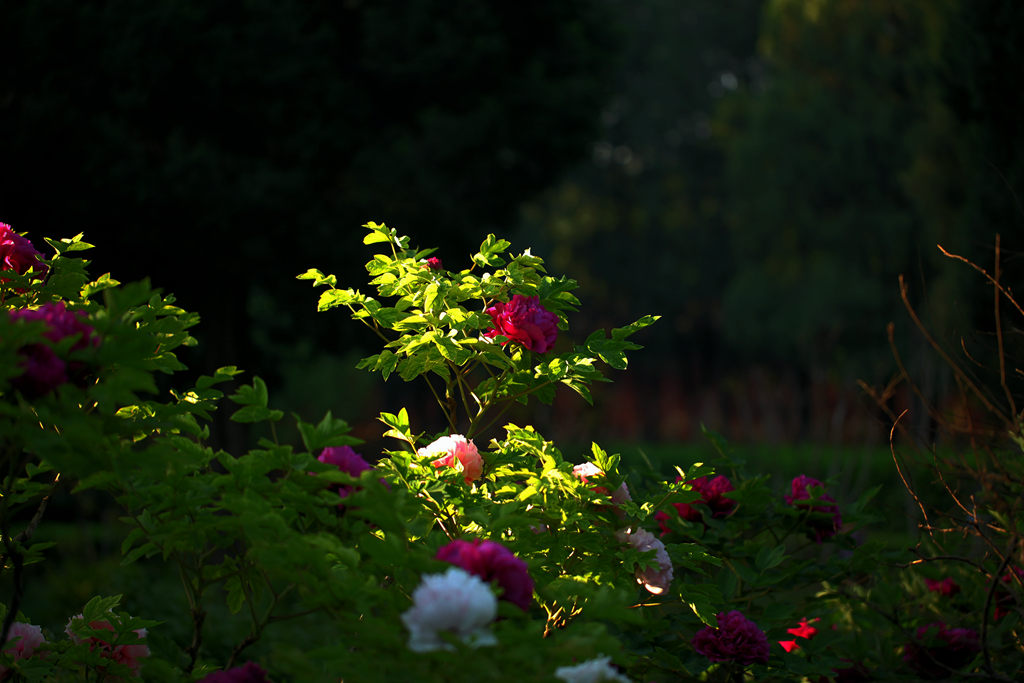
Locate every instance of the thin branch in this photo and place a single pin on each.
(899, 470)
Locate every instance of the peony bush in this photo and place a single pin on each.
(472, 549)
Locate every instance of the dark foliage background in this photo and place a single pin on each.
(757, 171)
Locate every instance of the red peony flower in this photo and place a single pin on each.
(737, 639)
(820, 527)
(938, 651)
(16, 252)
(42, 369)
(524, 320)
(432, 263)
(492, 561)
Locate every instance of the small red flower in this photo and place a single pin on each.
(804, 630)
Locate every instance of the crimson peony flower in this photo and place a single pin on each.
(250, 673)
(432, 263)
(804, 630)
(127, 654)
(820, 528)
(456, 451)
(42, 369)
(492, 561)
(16, 252)
(524, 320)
(737, 639)
(712, 494)
(937, 651)
(946, 587)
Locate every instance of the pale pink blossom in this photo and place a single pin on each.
(455, 602)
(598, 670)
(657, 577)
(22, 641)
(455, 451)
(587, 470)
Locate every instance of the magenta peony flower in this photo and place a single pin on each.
(456, 451)
(22, 641)
(656, 578)
(346, 460)
(737, 639)
(250, 673)
(432, 263)
(42, 369)
(524, 320)
(492, 562)
(16, 252)
(938, 651)
(820, 528)
(128, 654)
(946, 587)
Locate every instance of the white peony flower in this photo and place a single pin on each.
(592, 671)
(455, 602)
(655, 578)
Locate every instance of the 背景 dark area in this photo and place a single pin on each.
(757, 172)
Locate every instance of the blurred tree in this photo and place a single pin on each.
(640, 224)
(820, 223)
(223, 146)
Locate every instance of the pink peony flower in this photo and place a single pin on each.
(42, 369)
(126, 654)
(346, 460)
(820, 528)
(22, 641)
(657, 578)
(16, 252)
(737, 639)
(432, 263)
(251, 672)
(524, 320)
(712, 494)
(585, 471)
(946, 587)
(938, 651)
(492, 562)
(455, 602)
(804, 630)
(456, 451)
